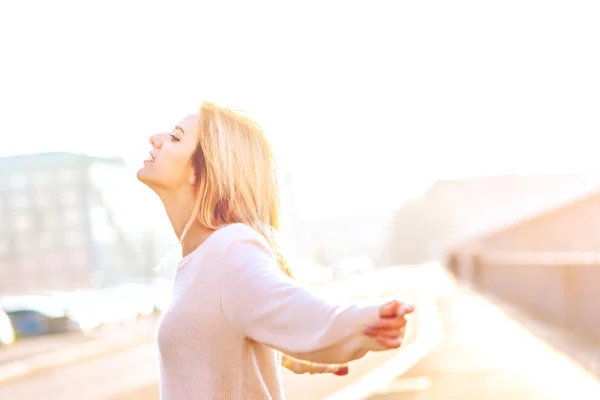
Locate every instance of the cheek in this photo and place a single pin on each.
(178, 165)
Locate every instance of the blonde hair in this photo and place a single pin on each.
(236, 176)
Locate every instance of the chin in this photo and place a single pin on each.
(147, 178)
(142, 176)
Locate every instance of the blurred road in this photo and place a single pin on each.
(53, 352)
(96, 378)
(131, 374)
(31, 346)
(482, 354)
(487, 355)
(36, 346)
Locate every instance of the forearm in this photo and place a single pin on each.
(349, 349)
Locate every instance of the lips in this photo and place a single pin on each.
(150, 158)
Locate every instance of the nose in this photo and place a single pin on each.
(156, 141)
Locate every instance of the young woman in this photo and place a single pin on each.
(235, 309)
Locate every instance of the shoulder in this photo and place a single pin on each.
(239, 239)
(244, 257)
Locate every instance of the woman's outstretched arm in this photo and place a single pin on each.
(265, 305)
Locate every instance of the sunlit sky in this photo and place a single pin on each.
(366, 102)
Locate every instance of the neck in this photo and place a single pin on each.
(179, 210)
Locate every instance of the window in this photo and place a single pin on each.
(4, 246)
(51, 221)
(73, 238)
(70, 197)
(8, 243)
(41, 199)
(22, 222)
(46, 240)
(67, 175)
(18, 180)
(19, 200)
(72, 217)
(23, 244)
(79, 259)
(41, 178)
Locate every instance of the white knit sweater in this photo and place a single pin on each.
(232, 309)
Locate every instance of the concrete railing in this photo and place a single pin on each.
(360, 286)
(562, 288)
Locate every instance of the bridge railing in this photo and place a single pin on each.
(560, 287)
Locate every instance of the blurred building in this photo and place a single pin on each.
(547, 264)
(459, 211)
(289, 212)
(331, 240)
(69, 221)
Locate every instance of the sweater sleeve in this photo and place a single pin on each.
(267, 306)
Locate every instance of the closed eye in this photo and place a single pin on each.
(173, 137)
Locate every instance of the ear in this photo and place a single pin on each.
(192, 179)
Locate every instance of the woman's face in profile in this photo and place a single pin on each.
(169, 165)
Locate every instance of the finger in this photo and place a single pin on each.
(392, 343)
(389, 309)
(397, 322)
(342, 371)
(398, 333)
(406, 308)
(384, 332)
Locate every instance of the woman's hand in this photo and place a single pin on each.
(389, 329)
(342, 371)
(306, 367)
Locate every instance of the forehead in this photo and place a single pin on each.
(190, 124)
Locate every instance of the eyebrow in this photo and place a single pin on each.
(180, 128)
